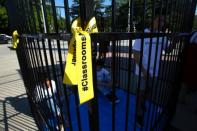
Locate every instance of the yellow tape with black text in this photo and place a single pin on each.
(78, 70)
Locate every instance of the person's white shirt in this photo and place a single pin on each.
(146, 46)
(103, 75)
(44, 92)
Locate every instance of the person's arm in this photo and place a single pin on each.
(136, 54)
(171, 44)
(54, 87)
(137, 59)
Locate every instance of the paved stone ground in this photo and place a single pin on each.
(185, 118)
(15, 113)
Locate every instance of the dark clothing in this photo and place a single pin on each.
(190, 66)
(103, 47)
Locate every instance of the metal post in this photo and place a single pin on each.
(43, 16)
(129, 13)
(86, 13)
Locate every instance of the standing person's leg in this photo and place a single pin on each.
(141, 100)
(100, 50)
(105, 50)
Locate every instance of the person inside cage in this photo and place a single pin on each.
(103, 49)
(104, 82)
(157, 45)
(46, 97)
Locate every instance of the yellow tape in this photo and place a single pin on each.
(78, 70)
(15, 40)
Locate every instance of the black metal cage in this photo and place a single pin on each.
(124, 40)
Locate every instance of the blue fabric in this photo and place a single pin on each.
(104, 90)
(105, 113)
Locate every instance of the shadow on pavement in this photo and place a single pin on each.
(16, 109)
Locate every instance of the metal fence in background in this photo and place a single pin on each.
(43, 47)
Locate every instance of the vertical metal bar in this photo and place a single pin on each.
(39, 78)
(140, 65)
(114, 63)
(27, 29)
(169, 69)
(131, 14)
(168, 58)
(66, 6)
(48, 72)
(33, 72)
(183, 16)
(61, 64)
(51, 53)
(38, 16)
(177, 54)
(51, 57)
(180, 10)
(94, 102)
(33, 67)
(45, 55)
(40, 54)
(37, 67)
(174, 59)
(54, 16)
(154, 86)
(32, 15)
(113, 16)
(25, 65)
(67, 102)
(77, 107)
(25, 70)
(86, 13)
(45, 16)
(113, 83)
(25, 7)
(158, 84)
(128, 86)
(117, 59)
(148, 68)
(55, 78)
(129, 66)
(62, 72)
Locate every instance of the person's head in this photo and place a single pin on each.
(99, 64)
(158, 20)
(45, 79)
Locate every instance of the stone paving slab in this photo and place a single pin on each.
(15, 114)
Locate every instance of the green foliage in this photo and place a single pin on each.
(195, 23)
(61, 24)
(36, 18)
(49, 17)
(98, 6)
(75, 9)
(107, 19)
(3, 18)
(122, 15)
